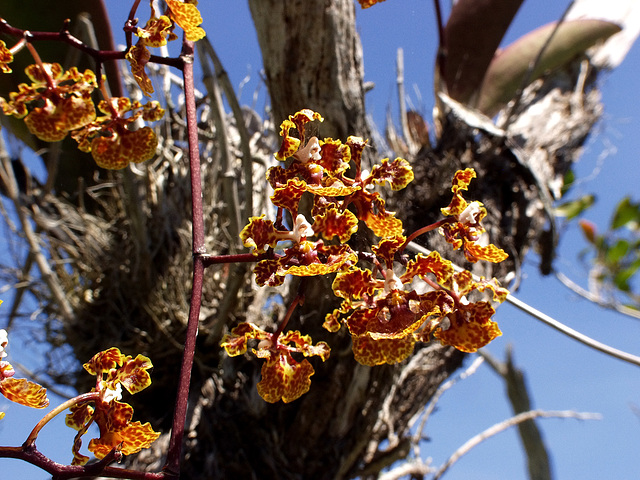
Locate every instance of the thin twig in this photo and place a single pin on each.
(415, 468)
(402, 105)
(570, 332)
(567, 282)
(229, 186)
(510, 422)
(431, 406)
(533, 444)
(61, 472)
(561, 327)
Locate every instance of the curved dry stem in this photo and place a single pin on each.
(567, 282)
(422, 231)
(510, 422)
(570, 332)
(83, 398)
(543, 317)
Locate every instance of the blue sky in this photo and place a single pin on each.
(561, 373)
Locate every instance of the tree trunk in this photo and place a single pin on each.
(313, 59)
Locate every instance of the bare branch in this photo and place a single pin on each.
(536, 451)
(592, 297)
(561, 327)
(570, 332)
(510, 422)
(416, 468)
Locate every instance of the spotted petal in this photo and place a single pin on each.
(259, 234)
(235, 343)
(131, 439)
(304, 344)
(188, 17)
(387, 248)
(298, 120)
(397, 173)
(461, 180)
(5, 57)
(284, 379)
(354, 283)
(423, 265)
(377, 352)
(334, 223)
(25, 393)
(117, 151)
(157, 31)
(133, 374)
(470, 328)
(138, 56)
(474, 252)
(104, 361)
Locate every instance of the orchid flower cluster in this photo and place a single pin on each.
(113, 370)
(386, 308)
(57, 102)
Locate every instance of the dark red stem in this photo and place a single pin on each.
(423, 230)
(299, 300)
(30, 454)
(174, 454)
(66, 37)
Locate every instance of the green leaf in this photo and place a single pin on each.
(573, 208)
(509, 67)
(615, 253)
(622, 278)
(627, 214)
(567, 182)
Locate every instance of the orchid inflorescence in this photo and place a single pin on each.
(388, 301)
(57, 102)
(113, 370)
(101, 406)
(385, 310)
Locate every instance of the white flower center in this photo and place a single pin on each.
(4, 341)
(391, 281)
(110, 394)
(301, 228)
(311, 151)
(469, 214)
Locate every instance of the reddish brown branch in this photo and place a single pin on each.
(58, 471)
(209, 260)
(172, 465)
(66, 37)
